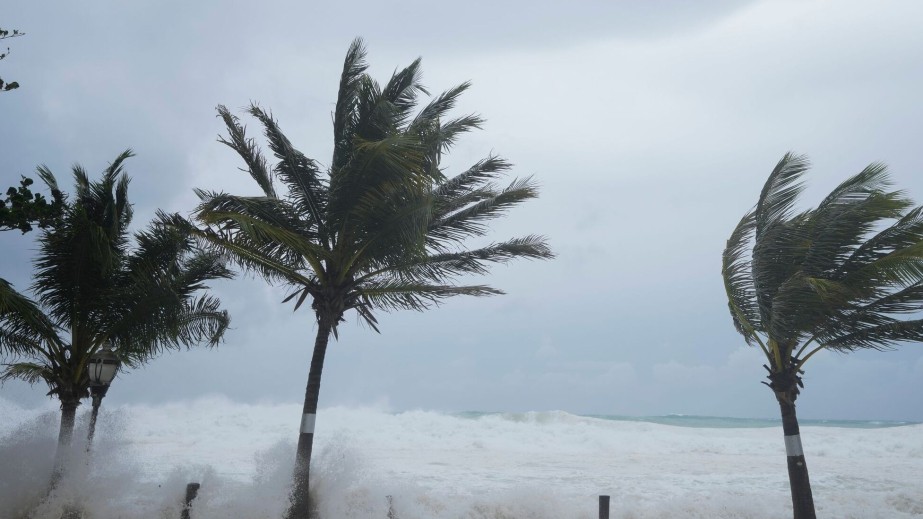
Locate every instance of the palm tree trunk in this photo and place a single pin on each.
(65, 434)
(802, 499)
(300, 498)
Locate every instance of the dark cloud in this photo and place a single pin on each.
(650, 126)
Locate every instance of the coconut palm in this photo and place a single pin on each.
(844, 276)
(381, 229)
(98, 288)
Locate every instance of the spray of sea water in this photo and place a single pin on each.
(435, 465)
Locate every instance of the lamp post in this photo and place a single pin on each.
(101, 369)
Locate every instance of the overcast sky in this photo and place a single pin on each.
(651, 127)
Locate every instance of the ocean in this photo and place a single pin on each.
(473, 465)
(718, 422)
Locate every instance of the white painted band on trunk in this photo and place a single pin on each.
(793, 446)
(307, 423)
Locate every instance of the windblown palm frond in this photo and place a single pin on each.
(300, 174)
(738, 281)
(473, 209)
(345, 115)
(23, 325)
(777, 199)
(27, 372)
(248, 150)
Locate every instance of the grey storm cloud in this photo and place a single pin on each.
(649, 125)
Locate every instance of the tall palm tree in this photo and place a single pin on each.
(96, 288)
(846, 275)
(382, 228)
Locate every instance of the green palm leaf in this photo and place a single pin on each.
(248, 151)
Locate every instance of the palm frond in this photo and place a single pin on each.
(195, 322)
(274, 211)
(881, 337)
(904, 233)
(344, 115)
(445, 267)
(851, 211)
(777, 255)
(300, 174)
(904, 301)
(778, 196)
(397, 295)
(471, 186)
(389, 159)
(471, 220)
(902, 267)
(240, 251)
(248, 151)
(28, 372)
(401, 92)
(872, 179)
(438, 107)
(47, 177)
(738, 281)
(451, 130)
(259, 231)
(115, 168)
(23, 325)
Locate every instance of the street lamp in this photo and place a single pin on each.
(101, 369)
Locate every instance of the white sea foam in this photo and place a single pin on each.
(527, 465)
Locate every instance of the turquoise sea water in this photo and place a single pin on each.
(702, 422)
(717, 422)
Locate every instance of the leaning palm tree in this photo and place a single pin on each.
(97, 289)
(843, 276)
(381, 229)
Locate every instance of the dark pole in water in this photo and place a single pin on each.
(101, 369)
(97, 393)
(603, 507)
(192, 490)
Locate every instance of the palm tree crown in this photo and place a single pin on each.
(842, 276)
(96, 288)
(384, 226)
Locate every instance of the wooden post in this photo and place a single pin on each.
(603, 507)
(192, 490)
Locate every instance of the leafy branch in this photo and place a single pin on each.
(4, 34)
(21, 209)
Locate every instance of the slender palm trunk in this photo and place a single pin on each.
(802, 499)
(65, 434)
(301, 501)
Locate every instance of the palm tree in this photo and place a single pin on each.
(97, 289)
(843, 276)
(382, 229)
